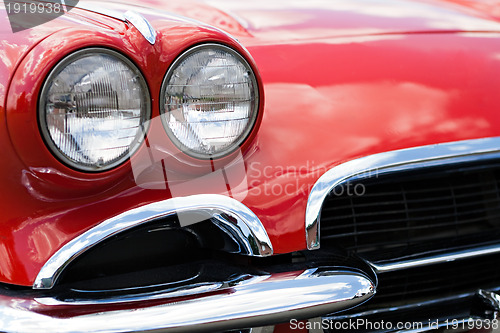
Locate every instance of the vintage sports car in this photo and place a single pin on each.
(223, 165)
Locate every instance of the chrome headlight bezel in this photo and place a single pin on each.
(254, 112)
(42, 114)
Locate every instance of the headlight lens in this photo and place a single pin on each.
(92, 109)
(209, 101)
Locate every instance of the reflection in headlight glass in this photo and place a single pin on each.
(210, 101)
(94, 110)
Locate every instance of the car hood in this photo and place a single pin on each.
(283, 21)
(272, 22)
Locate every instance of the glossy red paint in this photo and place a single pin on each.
(338, 84)
(286, 21)
(49, 198)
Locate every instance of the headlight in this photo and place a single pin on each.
(92, 109)
(209, 101)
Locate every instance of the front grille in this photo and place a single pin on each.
(427, 294)
(443, 280)
(417, 211)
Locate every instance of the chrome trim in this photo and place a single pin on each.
(182, 292)
(196, 289)
(280, 297)
(248, 230)
(134, 18)
(436, 259)
(492, 299)
(142, 25)
(387, 162)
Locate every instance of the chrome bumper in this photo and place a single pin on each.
(257, 301)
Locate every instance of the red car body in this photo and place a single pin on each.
(341, 80)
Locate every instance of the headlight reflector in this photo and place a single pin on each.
(92, 109)
(209, 101)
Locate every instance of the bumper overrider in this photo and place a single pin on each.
(257, 301)
(242, 300)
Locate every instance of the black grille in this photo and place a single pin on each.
(443, 280)
(411, 212)
(451, 280)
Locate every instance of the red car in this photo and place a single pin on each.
(221, 165)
